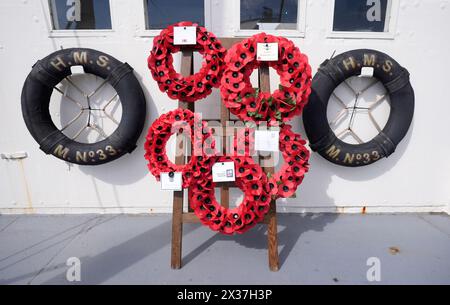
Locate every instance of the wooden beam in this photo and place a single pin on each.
(224, 189)
(190, 218)
(271, 218)
(180, 158)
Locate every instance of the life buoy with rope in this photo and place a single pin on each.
(331, 74)
(50, 71)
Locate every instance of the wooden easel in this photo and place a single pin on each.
(178, 215)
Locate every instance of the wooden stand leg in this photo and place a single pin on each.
(178, 196)
(177, 230)
(224, 118)
(271, 219)
(272, 237)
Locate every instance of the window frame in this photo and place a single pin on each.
(142, 23)
(78, 33)
(392, 11)
(299, 32)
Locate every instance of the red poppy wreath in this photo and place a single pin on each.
(248, 103)
(193, 87)
(249, 178)
(181, 122)
(284, 183)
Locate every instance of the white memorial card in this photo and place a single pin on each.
(185, 35)
(223, 172)
(267, 140)
(267, 51)
(171, 181)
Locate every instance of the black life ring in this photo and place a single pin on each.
(333, 72)
(37, 90)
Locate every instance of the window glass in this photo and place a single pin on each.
(269, 14)
(161, 13)
(360, 15)
(80, 14)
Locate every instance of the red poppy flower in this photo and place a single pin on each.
(263, 37)
(247, 94)
(234, 63)
(250, 45)
(216, 221)
(256, 188)
(235, 76)
(286, 189)
(236, 86)
(202, 212)
(203, 38)
(248, 216)
(159, 52)
(261, 210)
(288, 79)
(242, 113)
(243, 170)
(299, 170)
(293, 148)
(264, 103)
(236, 219)
(231, 104)
(243, 54)
(228, 228)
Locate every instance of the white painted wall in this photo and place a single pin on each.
(415, 178)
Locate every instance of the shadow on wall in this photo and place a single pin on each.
(130, 167)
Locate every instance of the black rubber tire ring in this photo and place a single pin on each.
(38, 88)
(332, 73)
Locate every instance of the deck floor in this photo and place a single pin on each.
(314, 249)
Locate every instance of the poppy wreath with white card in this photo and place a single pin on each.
(284, 183)
(248, 103)
(193, 87)
(249, 178)
(178, 121)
